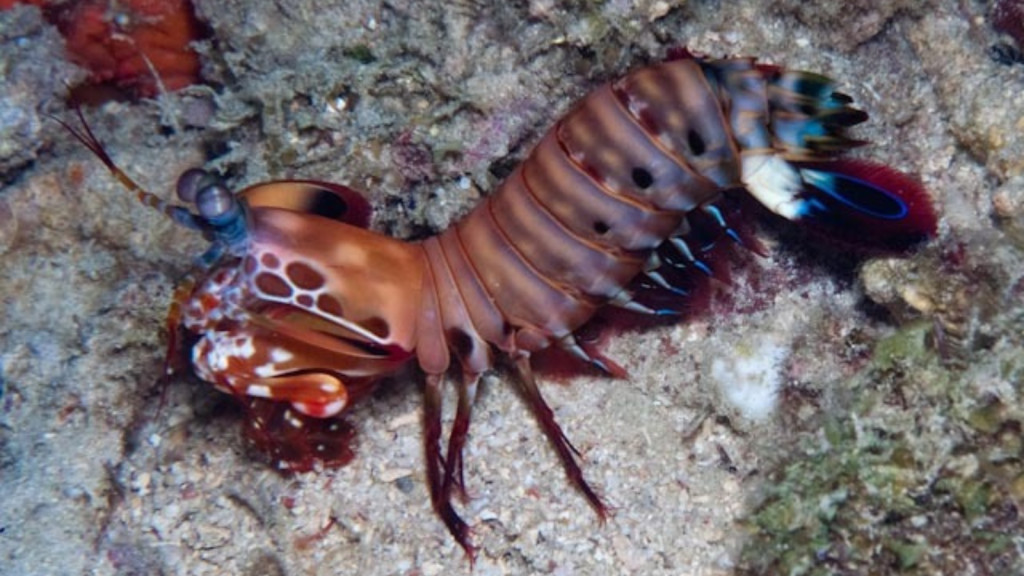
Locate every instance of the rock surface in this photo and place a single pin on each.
(909, 370)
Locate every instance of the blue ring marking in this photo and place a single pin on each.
(826, 182)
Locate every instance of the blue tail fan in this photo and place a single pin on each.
(865, 205)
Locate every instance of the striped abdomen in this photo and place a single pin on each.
(625, 181)
(578, 219)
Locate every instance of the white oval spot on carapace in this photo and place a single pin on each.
(259, 391)
(320, 410)
(280, 355)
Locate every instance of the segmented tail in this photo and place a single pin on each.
(857, 203)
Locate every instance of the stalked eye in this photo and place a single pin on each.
(214, 201)
(190, 182)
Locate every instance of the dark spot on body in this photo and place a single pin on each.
(642, 178)
(303, 276)
(460, 342)
(330, 305)
(270, 261)
(377, 326)
(328, 204)
(601, 228)
(273, 285)
(696, 143)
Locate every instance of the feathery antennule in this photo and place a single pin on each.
(85, 135)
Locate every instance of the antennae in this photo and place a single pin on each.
(88, 139)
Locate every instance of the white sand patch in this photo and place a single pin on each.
(750, 376)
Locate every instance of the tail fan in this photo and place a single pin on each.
(865, 205)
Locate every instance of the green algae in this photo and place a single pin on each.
(924, 487)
